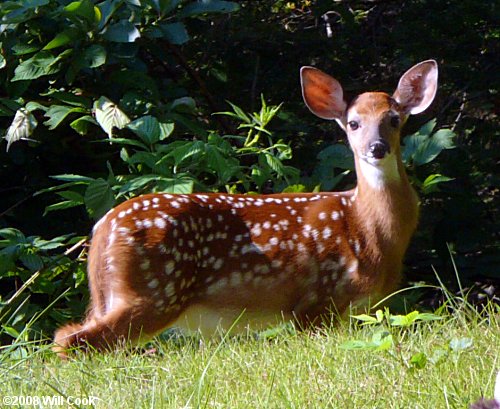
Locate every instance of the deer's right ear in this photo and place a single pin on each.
(323, 94)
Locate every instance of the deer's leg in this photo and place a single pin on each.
(127, 323)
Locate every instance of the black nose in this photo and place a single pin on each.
(379, 149)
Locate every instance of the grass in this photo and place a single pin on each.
(458, 357)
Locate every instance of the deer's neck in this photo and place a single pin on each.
(386, 207)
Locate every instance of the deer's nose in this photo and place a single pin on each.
(379, 149)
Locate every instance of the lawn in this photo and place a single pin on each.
(446, 363)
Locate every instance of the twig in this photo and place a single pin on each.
(15, 205)
(460, 111)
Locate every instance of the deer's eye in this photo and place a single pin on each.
(395, 121)
(353, 125)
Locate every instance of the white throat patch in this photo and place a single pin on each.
(379, 173)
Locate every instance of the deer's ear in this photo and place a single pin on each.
(322, 94)
(417, 87)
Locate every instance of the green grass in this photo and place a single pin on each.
(460, 355)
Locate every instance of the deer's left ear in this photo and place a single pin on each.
(417, 87)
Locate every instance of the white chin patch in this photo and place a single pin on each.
(379, 172)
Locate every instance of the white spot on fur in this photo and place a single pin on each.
(256, 230)
(218, 264)
(153, 283)
(160, 223)
(169, 267)
(145, 264)
(170, 290)
(327, 232)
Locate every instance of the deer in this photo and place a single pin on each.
(211, 261)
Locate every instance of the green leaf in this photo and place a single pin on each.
(67, 204)
(22, 126)
(418, 360)
(11, 331)
(356, 345)
(14, 236)
(147, 158)
(57, 114)
(431, 182)
(8, 107)
(427, 128)
(225, 168)
(184, 104)
(422, 149)
(32, 262)
(444, 138)
(94, 56)
(108, 115)
(84, 9)
(382, 340)
(72, 178)
(368, 319)
(55, 243)
(433, 146)
(238, 113)
(63, 38)
(295, 189)
(175, 33)
(81, 124)
(166, 130)
(275, 164)
(338, 156)
(122, 32)
(186, 151)
(23, 48)
(426, 316)
(177, 186)
(208, 6)
(68, 98)
(137, 183)
(99, 198)
(147, 128)
(41, 64)
(411, 145)
(71, 195)
(403, 320)
(106, 9)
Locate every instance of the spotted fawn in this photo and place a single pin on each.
(199, 261)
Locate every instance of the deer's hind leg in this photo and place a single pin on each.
(124, 324)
